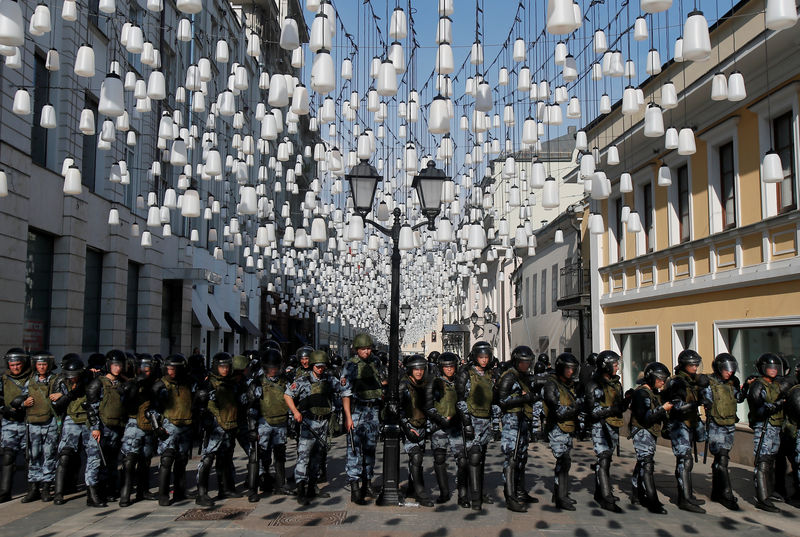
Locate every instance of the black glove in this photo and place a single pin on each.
(162, 433)
(17, 402)
(702, 381)
(496, 433)
(413, 435)
(469, 433)
(252, 435)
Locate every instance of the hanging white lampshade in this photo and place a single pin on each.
(438, 117)
(655, 6)
(52, 62)
(772, 168)
(601, 186)
(398, 25)
(519, 52)
(612, 155)
(634, 222)
(221, 53)
(736, 89)
(446, 7)
(664, 176)
(605, 104)
(630, 103)
(113, 217)
(444, 230)
(86, 124)
(719, 87)
(561, 17)
(677, 54)
(147, 239)
(190, 204)
(12, 24)
(387, 79)
(669, 96)
(47, 117)
(156, 86)
(653, 122)
(72, 181)
(190, 7)
(780, 14)
(640, 29)
(112, 98)
(290, 35)
(347, 69)
(445, 64)
(323, 76)
(483, 97)
(696, 39)
(184, 32)
(398, 57)
(84, 62)
(671, 138)
(40, 20)
(625, 183)
(550, 194)
(686, 142)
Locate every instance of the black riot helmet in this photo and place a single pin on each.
(604, 362)
(176, 360)
(724, 362)
(768, 361)
(383, 356)
(565, 360)
(304, 352)
(539, 367)
(73, 368)
(785, 363)
(143, 360)
(271, 344)
(481, 347)
(18, 355)
(336, 360)
(433, 357)
(544, 358)
(521, 353)
(253, 358)
(97, 360)
(68, 357)
(654, 371)
(270, 358)
(116, 356)
(415, 361)
(591, 360)
(448, 359)
(688, 357)
(44, 357)
(221, 358)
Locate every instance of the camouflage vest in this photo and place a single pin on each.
(12, 388)
(612, 392)
(366, 386)
(76, 411)
(654, 429)
(42, 410)
(479, 399)
(723, 402)
(318, 402)
(790, 425)
(272, 404)
(178, 407)
(111, 409)
(413, 405)
(224, 407)
(691, 397)
(773, 390)
(527, 408)
(140, 408)
(566, 397)
(446, 405)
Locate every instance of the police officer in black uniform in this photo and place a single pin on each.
(413, 422)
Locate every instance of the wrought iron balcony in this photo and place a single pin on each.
(575, 290)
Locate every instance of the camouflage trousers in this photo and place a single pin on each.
(483, 433)
(536, 420)
(110, 441)
(560, 442)
(43, 456)
(137, 441)
(13, 435)
(605, 438)
(720, 437)
(309, 450)
(73, 436)
(772, 439)
(218, 440)
(644, 443)
(449, 439)
(682, 436)
(270, 436)
(514, 438)
(361, 456)
(179, 439)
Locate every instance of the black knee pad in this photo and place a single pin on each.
(688, 463)
(279, 452)
(415, 457)
(565, 462)
(475, 454)
(130, 458)
(167, 458)
(461, 462)
(9, 456)
(439, 456)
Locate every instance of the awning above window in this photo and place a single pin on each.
(234, 325)
(200, 311)
(250, 327)
(217, 314)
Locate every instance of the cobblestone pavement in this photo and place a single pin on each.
(336, 516)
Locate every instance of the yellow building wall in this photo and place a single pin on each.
(699, 164)
(749, 168)
(756, 302)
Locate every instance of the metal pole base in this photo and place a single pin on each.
(390, 495)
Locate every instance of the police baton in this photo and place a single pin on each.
(705, 450)
(102, 457)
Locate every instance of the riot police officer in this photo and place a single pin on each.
(441, 410)
(685, 426)
(303, 355)
(647, 416)
(413, 423)
(138, 440)
(13, 416)
(174, 397)
(265, 394)
(606, 405)
(479, 415)
(81, 428)
(720, 398)
(40, 391)
(310, 400)
(362, 394)
(515, 396)
(791, 424)
(220, 430)
(562, 409)
(766, 401)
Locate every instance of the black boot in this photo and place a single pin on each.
(203, 472)
(46, 490)
(636, 490)
(485, 497)
(165, 476)
(369, 490)
(33, 493)
(415, 470)
(561, 485)
(279, 484)
(225, 479)
(683, 474)
(356, 492)
(302, 497)
(128, 469)
(179, 492)
(61, 478)
(252, 476)
(313, 492)
(6, 474)
(716, 482)
(647, 485)
(509, 490)
(93, 498)
(522, 488)
(440, 470)
(722, 478)
(763, 501)
(462, 482)
(772, 477)
(323, 468)
(143, 480)
(475, 479)
(602, 492)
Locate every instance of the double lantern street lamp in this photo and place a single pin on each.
(363, 179)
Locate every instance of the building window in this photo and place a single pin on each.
(649, 229)
(684, 221)
(544, 291)
(544, 344)
(619, 237)
(92, 293)
(89, 157)
(554, 290)
(637, 349)
(132, 306)
(727, 183)
(527, 290)
(38, 291)
(534, 287)
(41, 97)
(784, 146)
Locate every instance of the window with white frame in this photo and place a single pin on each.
(783, 143)
(644, 206)
(723, 175)
(679, 209)
(616, 241)
(637, 348)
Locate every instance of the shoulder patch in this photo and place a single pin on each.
(344, 382)
(294, 385)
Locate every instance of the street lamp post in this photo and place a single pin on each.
(363, 179)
